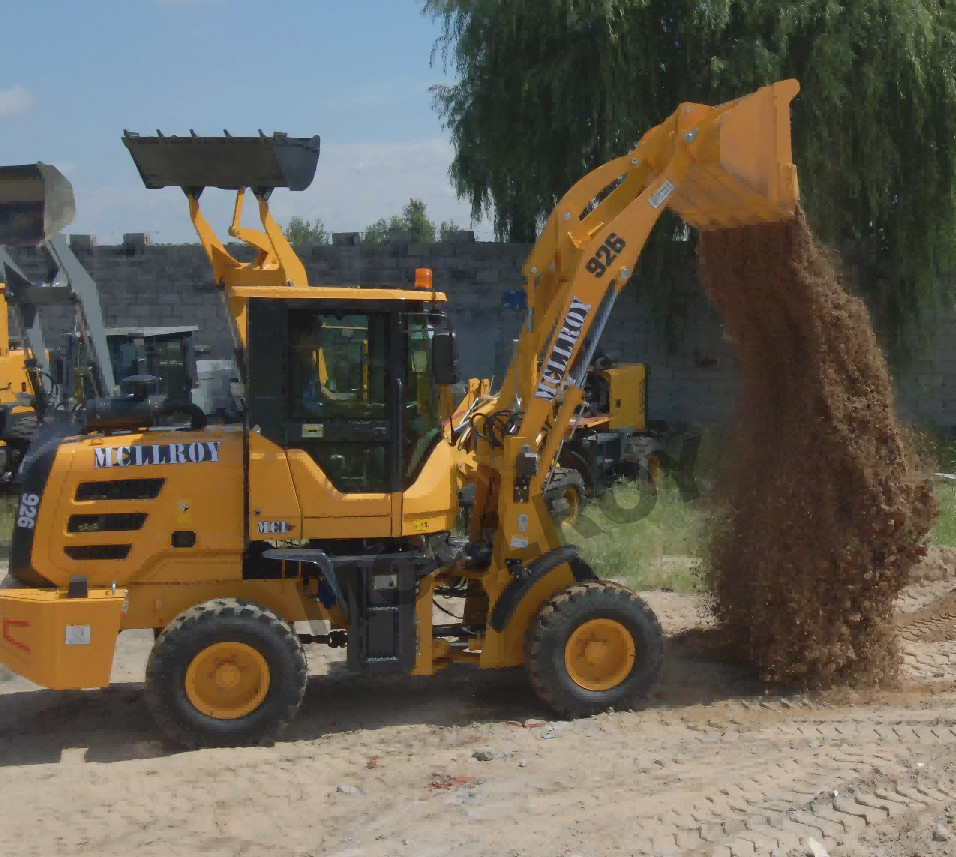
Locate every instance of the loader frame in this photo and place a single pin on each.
(222, 591)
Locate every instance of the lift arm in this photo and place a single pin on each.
(716, 167)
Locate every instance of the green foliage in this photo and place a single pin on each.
(301, 231)
(378, 232)
(548, 91)
(422, 229)
(412, 220)
(447, 229)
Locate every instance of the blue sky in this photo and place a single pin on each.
(76, 73)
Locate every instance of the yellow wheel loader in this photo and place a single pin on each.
(608, 438)
(323, 505)
(18, 420)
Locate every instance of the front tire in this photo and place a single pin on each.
(593, 646)
(224, 673)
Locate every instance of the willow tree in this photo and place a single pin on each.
(547, 91)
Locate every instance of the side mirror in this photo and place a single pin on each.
(445, 357)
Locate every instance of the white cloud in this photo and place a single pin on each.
(15, 101)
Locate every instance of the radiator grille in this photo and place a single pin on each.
(111, 522)
(120, 489)
(97, 551)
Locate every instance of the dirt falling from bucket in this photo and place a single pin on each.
(828, 505)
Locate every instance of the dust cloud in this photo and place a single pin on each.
(828, 504)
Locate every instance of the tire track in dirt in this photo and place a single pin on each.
(832, 780)
(713, 767)
(931, 662)
(922, 594)
(933, 623)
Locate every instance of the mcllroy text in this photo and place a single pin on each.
(157, 453)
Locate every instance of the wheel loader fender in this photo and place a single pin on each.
(521, 585)
(318, 558)
(59, 641)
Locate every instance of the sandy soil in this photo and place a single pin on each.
(469, 763)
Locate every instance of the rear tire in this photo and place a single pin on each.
(225, 673)
(593, 646)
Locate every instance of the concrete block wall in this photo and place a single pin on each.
(145, 284)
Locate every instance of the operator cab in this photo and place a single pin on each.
(351, 383)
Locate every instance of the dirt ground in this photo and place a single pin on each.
(468, 763)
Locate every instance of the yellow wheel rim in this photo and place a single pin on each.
(600, 654)
(227, 680)
(572, 497)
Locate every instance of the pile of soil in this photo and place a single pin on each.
(828, 504)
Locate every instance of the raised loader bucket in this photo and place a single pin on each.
(742, 172)
(36, 202)
(231, 163)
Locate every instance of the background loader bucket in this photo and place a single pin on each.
(36, 202)
(231, 163)
(742, 172)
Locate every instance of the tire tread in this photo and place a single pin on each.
(165, 656)
(555, 622)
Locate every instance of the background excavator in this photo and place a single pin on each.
(36, 202)
(323, 505)
(50, 385)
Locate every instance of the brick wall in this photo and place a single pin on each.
(143, 284)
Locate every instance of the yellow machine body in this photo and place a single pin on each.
(58, 641)
(628, 401)
(270, 512)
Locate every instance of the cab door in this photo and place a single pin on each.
(321, 386)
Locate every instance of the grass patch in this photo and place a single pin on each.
(656, 542)
(649, 539)
(936, 447)
(944, 532)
